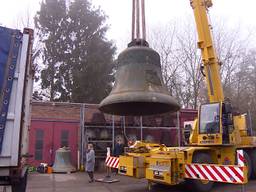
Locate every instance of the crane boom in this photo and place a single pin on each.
(216, 135)
(205, 43)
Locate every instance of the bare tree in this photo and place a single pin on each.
(181, 60)
(162, 40)
(189, 57)
(25, 19)
(230, 48)
(244, 85)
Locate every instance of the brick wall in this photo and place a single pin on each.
(48, 110)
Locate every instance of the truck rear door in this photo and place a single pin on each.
(14, 46)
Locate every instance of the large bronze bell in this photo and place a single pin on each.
(139, 88)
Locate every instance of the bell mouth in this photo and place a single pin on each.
(138, 104)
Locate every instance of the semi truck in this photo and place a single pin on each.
(16, 83)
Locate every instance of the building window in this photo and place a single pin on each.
(39, 144)
(64, 138)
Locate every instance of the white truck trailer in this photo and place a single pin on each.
(16, 83)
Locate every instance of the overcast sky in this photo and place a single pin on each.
(158, 12)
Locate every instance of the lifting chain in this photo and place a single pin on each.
(138, 20)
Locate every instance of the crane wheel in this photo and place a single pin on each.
(198, 185)
(248, 163)
(252, 163)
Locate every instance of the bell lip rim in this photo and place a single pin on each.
(153, 112)
(113, 103)
(169, 101)
(141, 94)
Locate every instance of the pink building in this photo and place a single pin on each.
(54, 125)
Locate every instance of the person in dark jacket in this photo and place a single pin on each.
(90, 162)
(118, 149)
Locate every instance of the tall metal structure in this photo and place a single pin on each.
(103, 135)
(211, 64)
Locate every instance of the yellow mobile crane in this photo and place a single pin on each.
(216, 136)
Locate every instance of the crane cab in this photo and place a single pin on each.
(215, 125)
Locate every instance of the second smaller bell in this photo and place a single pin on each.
(62, 163)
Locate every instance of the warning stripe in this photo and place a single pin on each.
(210, 173)
(193, 171)
(192, 175)
(187, 174)
(228, 179)
(240, 158)
(208, 176)
(112, 162)
(235, 177)
(237, 174)
(108, 160)
(240, 170)
(216, 173)
(228, 173)
(116, 163)
(198, 174)
(201, 172)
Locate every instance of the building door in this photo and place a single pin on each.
(48, 136)
(40, 147)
